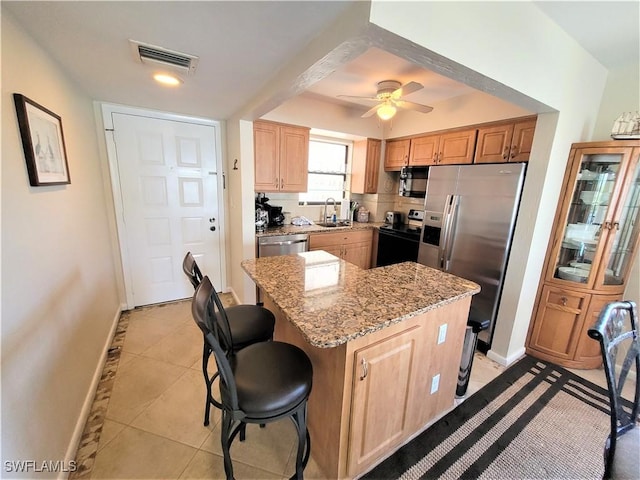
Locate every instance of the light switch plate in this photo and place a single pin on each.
(442, 333)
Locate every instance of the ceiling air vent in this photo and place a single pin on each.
(158, 56)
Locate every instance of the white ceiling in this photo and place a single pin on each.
(243, 44)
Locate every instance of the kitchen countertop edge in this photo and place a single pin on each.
(293, 229)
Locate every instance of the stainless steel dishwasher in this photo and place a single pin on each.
(273, 245)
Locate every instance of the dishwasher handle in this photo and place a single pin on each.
(288, 242)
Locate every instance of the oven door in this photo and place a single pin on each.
(395, 248)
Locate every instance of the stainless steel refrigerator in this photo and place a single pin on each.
(470, 215)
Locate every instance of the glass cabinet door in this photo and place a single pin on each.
(587, 217)
(625, 229)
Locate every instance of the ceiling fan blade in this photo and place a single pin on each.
(359, 98)
(414, 106)
(370, 112)
(406, 89)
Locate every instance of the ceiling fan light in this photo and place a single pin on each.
(386, 111)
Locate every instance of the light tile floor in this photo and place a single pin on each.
(153, 426)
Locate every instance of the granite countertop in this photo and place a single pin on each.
(332, 302)
(292, 229)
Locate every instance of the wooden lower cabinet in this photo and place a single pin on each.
(588, 350)
(353, 246)
(559, 332)
(383, 378)
(371, 394)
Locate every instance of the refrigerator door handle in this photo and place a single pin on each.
(444, 240)
(451, 220)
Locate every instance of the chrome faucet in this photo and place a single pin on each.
(326, 202)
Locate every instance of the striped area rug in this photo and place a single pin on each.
(535, 421)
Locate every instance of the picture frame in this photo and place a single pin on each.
(43, 143)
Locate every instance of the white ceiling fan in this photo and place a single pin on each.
(390, 97)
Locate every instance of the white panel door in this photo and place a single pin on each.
(169, 193)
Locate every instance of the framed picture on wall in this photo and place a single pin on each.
(43, 143)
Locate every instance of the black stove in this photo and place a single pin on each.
(406, 231)
(399, 243)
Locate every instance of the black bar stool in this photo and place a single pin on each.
(249, 324)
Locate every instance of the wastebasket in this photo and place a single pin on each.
(470, 341)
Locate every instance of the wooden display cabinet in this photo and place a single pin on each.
(591, 251)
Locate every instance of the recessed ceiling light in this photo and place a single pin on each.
(167, 79)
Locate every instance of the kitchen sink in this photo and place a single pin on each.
(339, 223)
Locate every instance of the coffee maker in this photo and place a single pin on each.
(275, 217)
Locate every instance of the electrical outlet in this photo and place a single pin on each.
(442, 333)
(435, 383)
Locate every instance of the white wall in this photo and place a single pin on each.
(517, 53)
(59, 297)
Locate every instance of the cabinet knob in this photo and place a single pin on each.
(281, 183)
(514, 151)
(365, 369)
(505, 153)
(564, 301)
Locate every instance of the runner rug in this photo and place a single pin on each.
(535, 421)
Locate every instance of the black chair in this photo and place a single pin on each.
(249, 324)
(261, 383)
(617, 332)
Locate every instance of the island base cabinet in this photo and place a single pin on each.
(381, 385)
(373, 393)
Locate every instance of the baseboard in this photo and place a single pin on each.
(91, 393)
(233, 294)
(506, 361)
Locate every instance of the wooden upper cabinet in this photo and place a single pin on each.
(294, 159)
(505, 142)
(396, 154)
(365, 166)
(267, 157)
(457, 147)
(281, 157)
(424, 150)
(522, 140)
(439, 149)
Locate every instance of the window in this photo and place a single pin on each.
(327, 172)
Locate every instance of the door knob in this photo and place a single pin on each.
(212, 228)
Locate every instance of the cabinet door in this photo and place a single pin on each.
(374, 148)
(558, 322)
(396, 154)
(365, 165)
(457, 147)
(623, 229)
(493, 144)
(588, 350)
(522, 141)
(358, 253)
(294, 159)
(266, 147)
(381, 391)
(423, 150)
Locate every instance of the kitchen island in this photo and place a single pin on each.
(385, 345)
